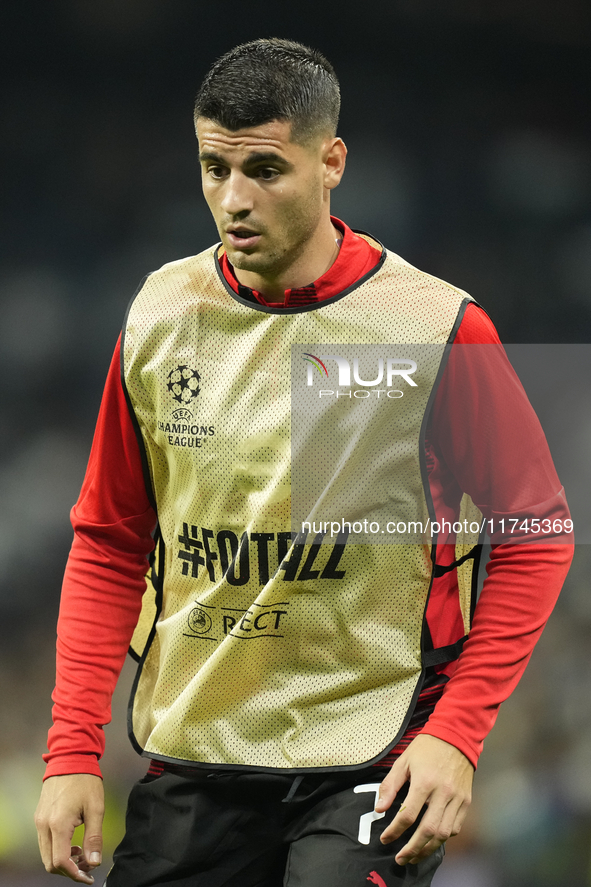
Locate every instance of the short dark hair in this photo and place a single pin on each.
(272, 79)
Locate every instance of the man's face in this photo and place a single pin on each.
(265, 192)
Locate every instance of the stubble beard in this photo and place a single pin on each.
(281, 257)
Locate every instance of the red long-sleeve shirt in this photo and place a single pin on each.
(483, 438)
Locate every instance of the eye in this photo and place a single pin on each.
(216, 172)
(267, 173)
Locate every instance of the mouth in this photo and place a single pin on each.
(242, 238)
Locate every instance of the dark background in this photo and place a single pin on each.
(469, 133)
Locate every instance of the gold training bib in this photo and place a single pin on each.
(290, 620)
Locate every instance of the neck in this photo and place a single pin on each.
(320, 253)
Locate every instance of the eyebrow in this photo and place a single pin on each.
(251, 160)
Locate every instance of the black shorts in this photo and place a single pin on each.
(226, 829)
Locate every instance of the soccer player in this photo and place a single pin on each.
(309, 703)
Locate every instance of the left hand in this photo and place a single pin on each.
(441, 777)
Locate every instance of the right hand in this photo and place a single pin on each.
(66, 802)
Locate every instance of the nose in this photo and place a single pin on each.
(238, 196)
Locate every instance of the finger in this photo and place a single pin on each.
(418, 848)
(72, 871)
(77, 854)
(64, 861)
(426, 851)
(82, 874)
(93, 837)
(437, 825)
(391, 785)
(408, 813)
(51, 859)
(44, 839)
(404, 819)
(421, 845)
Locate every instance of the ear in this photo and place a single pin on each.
(334, 153)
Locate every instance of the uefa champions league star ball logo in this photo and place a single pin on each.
(183, 384)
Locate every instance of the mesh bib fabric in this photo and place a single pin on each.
(283, 642)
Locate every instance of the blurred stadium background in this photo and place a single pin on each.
(470, 154)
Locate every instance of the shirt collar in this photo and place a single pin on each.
(355, 258)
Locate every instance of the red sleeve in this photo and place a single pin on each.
(491, 445)
(103, 586)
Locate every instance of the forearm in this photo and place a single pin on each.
(517, 598)
(101, 600)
